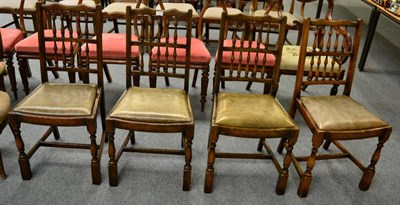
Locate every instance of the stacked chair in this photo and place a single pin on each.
(56, 104)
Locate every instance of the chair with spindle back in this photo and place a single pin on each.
(59, 104)
(256, 59)
(328, 47)
(151, 109)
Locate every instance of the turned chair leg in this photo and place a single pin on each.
(2, 172)
(23, 160)
(187, 170)
(112, 165)
(209, 178)
(95, 164)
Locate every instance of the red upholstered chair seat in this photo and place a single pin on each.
(198, 52)
(31, 43)
(10, 37)
(113, 47)
(227, 55)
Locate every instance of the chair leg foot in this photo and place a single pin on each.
(113, 174)
(281, 184)
(96, 174)
(25, 167)
(208, 183)
(366, 179)
(304, 186)
(187, 176)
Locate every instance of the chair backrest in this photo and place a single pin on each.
(72, 27)
(278, 5)
(327, 49)
(253, 53)
(160, 44)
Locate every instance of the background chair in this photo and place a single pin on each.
(200, 56)
(20, 9)
(250, 115)
(116, 10)
(8, 38)
(4, 108)
(154, 110)
(212, 15)
(333, 118)
(56, 104)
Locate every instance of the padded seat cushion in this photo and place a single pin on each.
(215, 13)
(113, 47)
(290, 17)
(290, 59)
(119, 7)
(153, 105)
(198, 51)
(29, 5)
(31, 43)
(183, 7)
(5, 104)
(60, 99)
(340, 113)
(10, 37)
(251, 111)
(227, 55)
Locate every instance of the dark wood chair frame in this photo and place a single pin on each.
(147, 39)
(338, 51)
(67, 62)
(270, 81)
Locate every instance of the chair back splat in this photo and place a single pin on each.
(66, 104)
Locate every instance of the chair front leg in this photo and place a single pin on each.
(209, 178)
(23, 159)
(112, 165)
(187, 171)
(369, 172)
(95, 164)
(306, 179)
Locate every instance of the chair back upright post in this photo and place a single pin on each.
(253, 56)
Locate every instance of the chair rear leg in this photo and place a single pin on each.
(195, 74)
(107, 73)
(56, 133)
(260, 145)
(23, 68)
(204, 87)
(11, 76)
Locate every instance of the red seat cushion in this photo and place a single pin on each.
(114, 47)
(227, 55)
(31, 43)
(10, 37)
(198, 51)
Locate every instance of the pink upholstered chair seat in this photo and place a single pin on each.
(31, 43)
(198, 51)
(227, 55)
(113, 47)
(10, 37)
